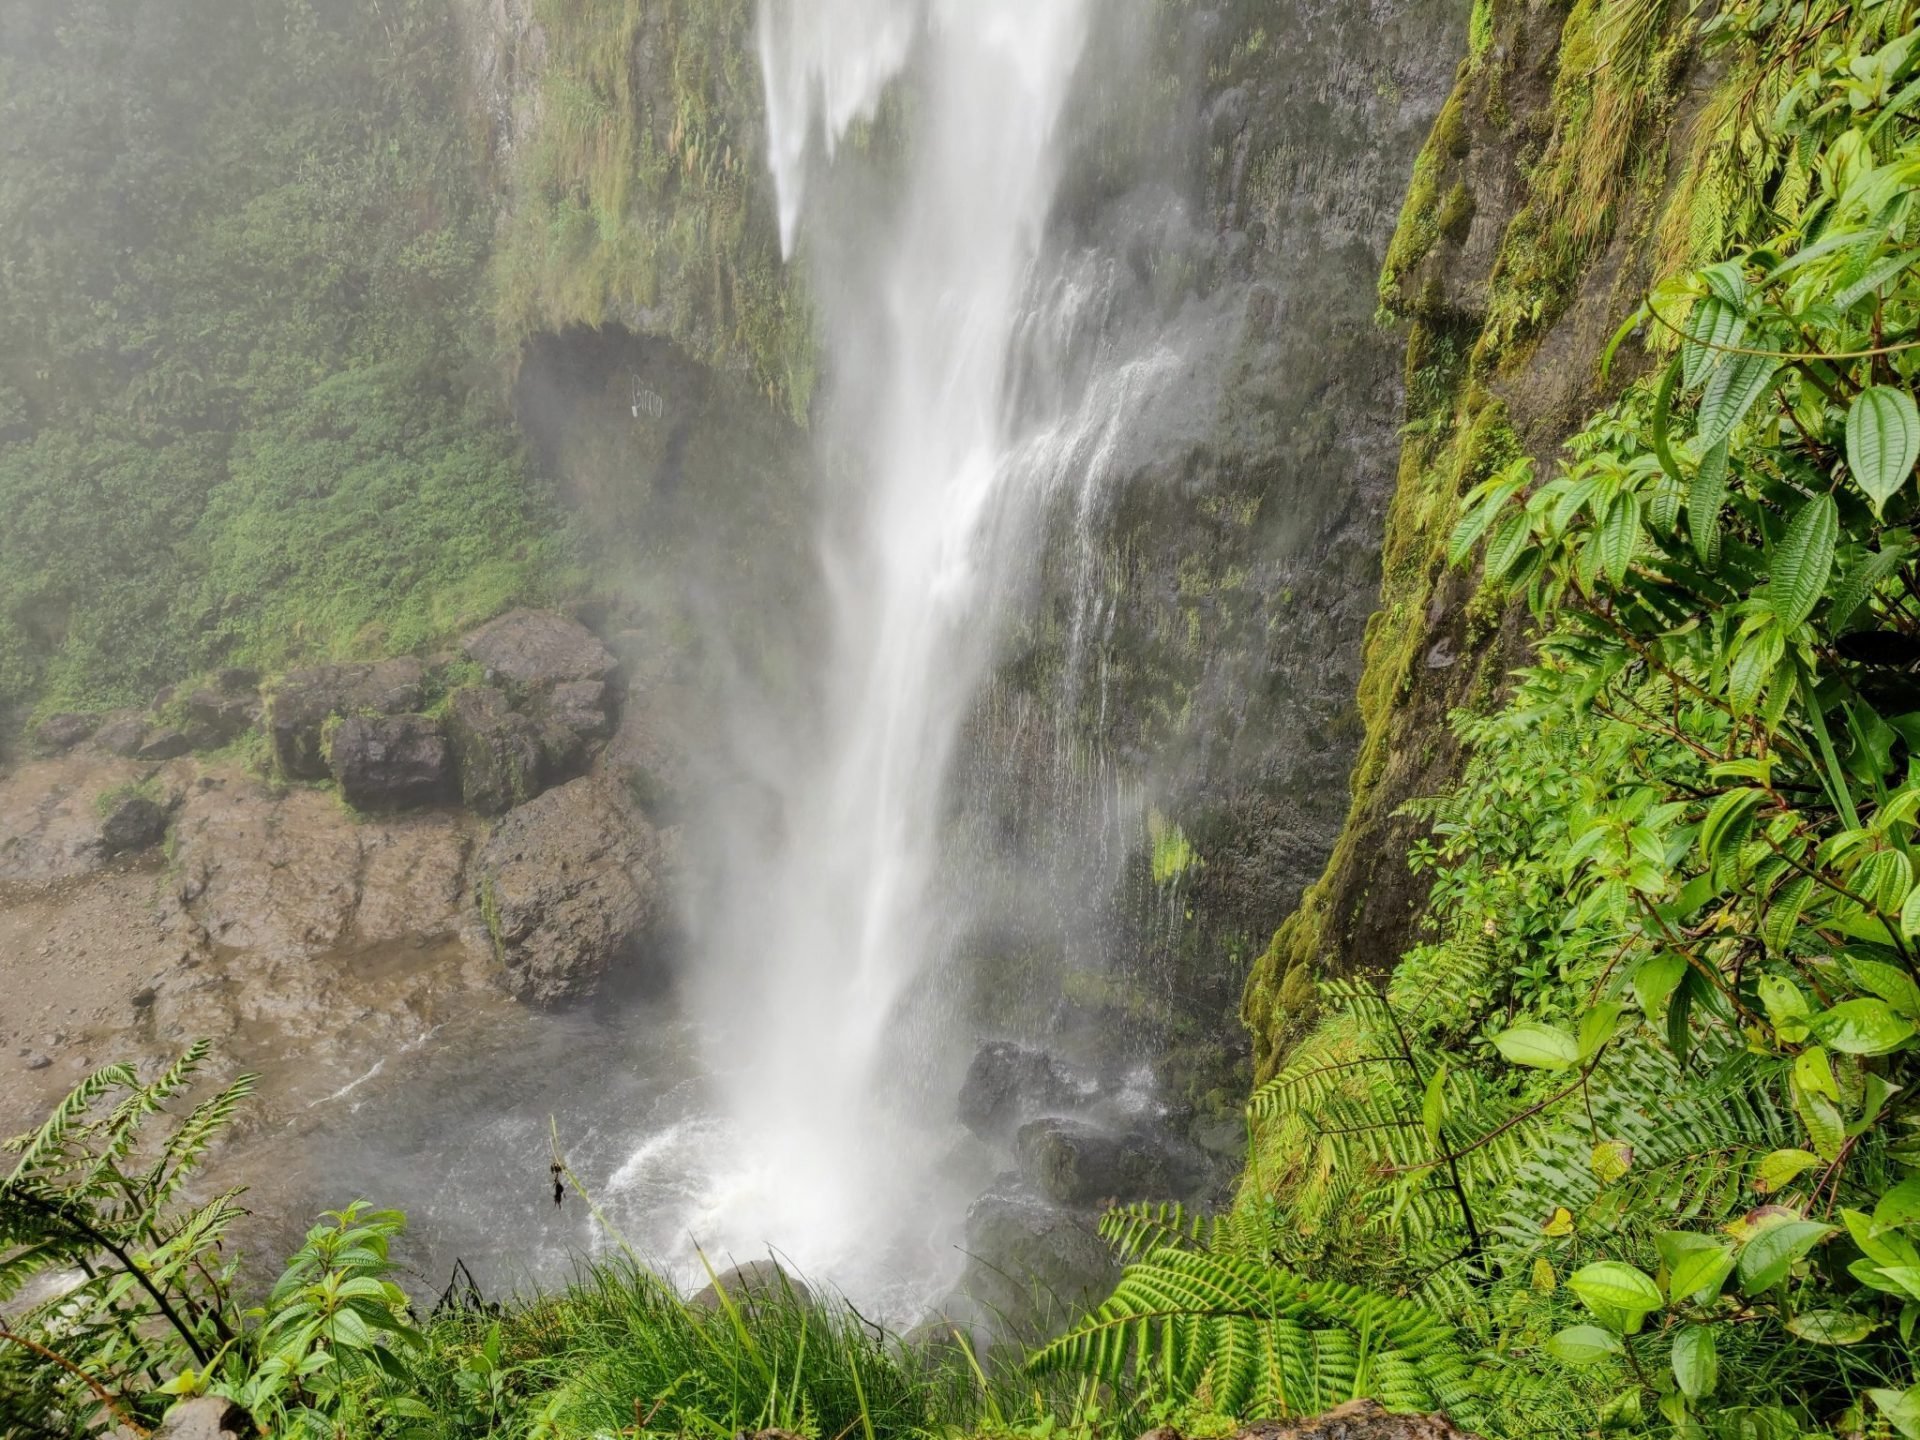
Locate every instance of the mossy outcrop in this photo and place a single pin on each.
(1539, 210)
(625, 142)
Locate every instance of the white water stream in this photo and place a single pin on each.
(827, 1154)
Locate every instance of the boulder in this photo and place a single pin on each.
(573, 717)
(206, 1417)
(300, 703)
(163, 744)
(758, 1282)
(121, 734)
(569, 886)
(1031, 1265)
(215, 717)
(1074, 1163)
(1355, 1420)
(131, 821)
(1007, 1084)
(537, 650)
(64, 731)
(497, 752)
(389, 762)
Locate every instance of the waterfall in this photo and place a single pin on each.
(835, 1126)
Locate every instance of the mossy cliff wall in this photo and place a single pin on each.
(625, 139)
(1574, 162)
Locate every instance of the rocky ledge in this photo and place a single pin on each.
(495, 824)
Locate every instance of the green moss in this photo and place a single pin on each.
(636, 194)
(490, 917)
(1173, 854)
(105, 803)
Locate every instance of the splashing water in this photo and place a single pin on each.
(827, 1075)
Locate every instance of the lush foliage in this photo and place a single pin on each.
(1636, 1125)
(120, 1298)
(242, 279)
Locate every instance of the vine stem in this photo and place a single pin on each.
(1796, 355)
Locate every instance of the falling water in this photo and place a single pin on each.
(924, 297)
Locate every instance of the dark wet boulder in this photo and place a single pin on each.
(64, 731)
(299, 705)
(121, 734)
(571, 889)
(573, 718)
(1031, 1264)
(389, 762)
(216, 717)
(1073, 1162)
(1008, 1084)
(756, 1283)
(163, 743)
(534, 651)
(497, 752)
(130, 822)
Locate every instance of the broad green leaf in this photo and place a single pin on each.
(1883, 441)
(1803, 560)
(1901, 1407)
(1889, 982)
(1751, 670)
(1583, 1345)
(1611, 1160)
(1732, 388)
(1833, 1327)
(1542, 1047)
(1697, 1265)
(1619, 536)
(1508, 544)
(1781, 1167)
(1765, 1259)
(1712, 328)
(1705, 497)
(1654, 979)
(1725, 828)
(1813, 1072)
(1613, 1285)
(1598, 1026)
(1783, 913)
(1860, 583)
(1876, 275)
(1786, 1008)
(1862, 1027)
(1696, 1361)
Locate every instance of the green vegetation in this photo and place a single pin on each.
(333, 1348)
(1635, 1123)
(633, 195)
(243, 302)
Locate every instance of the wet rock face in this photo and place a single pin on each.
(215, 717)
(1032, 1263)
(300, 704)
(64, 731)
(536, 651)
(758, 1282)
(496, 750)
(121, 734)
(132, 822)
(1007, 1084)
(390, 762)
(1075, 1163)
(571, 888)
